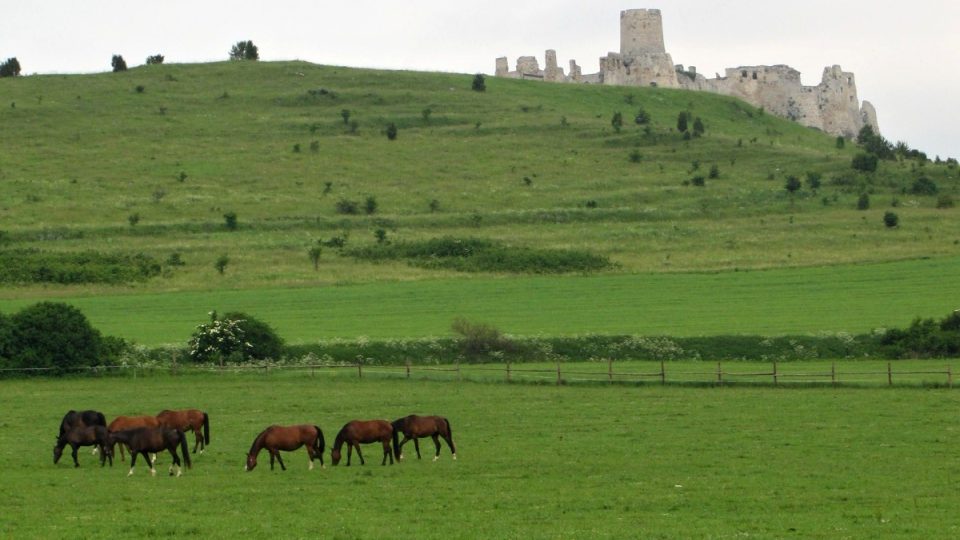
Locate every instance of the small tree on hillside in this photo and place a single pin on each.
(617, 121)
(221, 263)
(118, 63)
(682, 122)
(155, 59)
(10, 68)
(314, 254)
(698, 127)
(479, 83)
(244, 50)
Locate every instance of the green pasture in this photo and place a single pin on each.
(534, 461)
(847, 298)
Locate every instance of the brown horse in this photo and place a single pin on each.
(414, 427)
(122, 423)
(359, 432)
(288, 439)
(144, 440)
(188, 420)
(96, 436)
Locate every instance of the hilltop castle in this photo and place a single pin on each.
(832, 106)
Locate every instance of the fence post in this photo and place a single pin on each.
(558, 374)
(949, 376)
(775, 381)
(359, 370)
(663, 373)
(610, 370)
(508, 371)
(889, 374)
(408, 369)
(833, 373)
(459, 375)
(719, 374)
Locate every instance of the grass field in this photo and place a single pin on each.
(539, 462)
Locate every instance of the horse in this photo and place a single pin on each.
(76, 437)
(288, 439)
(188, 420)
(357, 432)
(122, 423)
(143, 440)
(414, 427)
(82, 418)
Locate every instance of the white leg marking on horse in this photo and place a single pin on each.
(311, 466)
(454, 456)
(153, 472)
(131, 472)
(179, 471)
(201, 450)
(436, 458)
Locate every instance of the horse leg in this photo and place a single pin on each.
(73, 452)
(272, 458)
(436, 442)
(133, 460)
(387, 452)
(146, 456)
(280, 460)
(176, 459)
(199, 442)
(349, 452)
(416, 444)
(312, 454)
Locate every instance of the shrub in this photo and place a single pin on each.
(22, 266)
(218, 341)
(133, 219)
(426, 114)
(793, 185)
(230, 221)
(140, 88)
(479, 339)
(345, 114)
(244, 50)
(863, 203)
(891, 220)
(314, 254)
(714, 171)
(221, 263)
(814, 181)
(865, 162)
(434, 205)
(479, 83)
(261, 340)
(923, 186)
(346, 206)
(380, 235)
(698, 127)
(118, 63)
(370, 205)
(698, 181)
(875, 144)
(682, 122)
(175, 259)
(642, 117)
(841, 142)
(635, 156)
(617, 121)
(10, 68)
(945, 201)
(54, 335)
(155, 59)
(392, 131)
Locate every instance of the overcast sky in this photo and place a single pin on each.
(905, 55)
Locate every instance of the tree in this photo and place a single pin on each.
(891, 220)
(698, 127)
(230, 221)
(814, 181)
(392, 131)
(262, 339)
(314, 254)
(54, 335)
(617, 121)
(345, 114)
(682, 122)
(370, 205)
(874, 143)
(865, 162)
(479, 83)
(10, 68)
(642, 117)
(841, 142)
(863, 203)
(221, 263)
(244, 50)
(155, 59)
(118, 63)
(793, 185)
(923, 186)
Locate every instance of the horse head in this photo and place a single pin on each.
(57, 452)
(251, 462)
(335, 456)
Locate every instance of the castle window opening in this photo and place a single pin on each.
(754, 75)
(743, 74)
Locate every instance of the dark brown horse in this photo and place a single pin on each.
(288, 439)
(82, 418)
(414, 427)
(122, 423)
(96, 436)
(359, 432)
(144, 440)
(188, 420)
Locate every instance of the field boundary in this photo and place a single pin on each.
(559, 375)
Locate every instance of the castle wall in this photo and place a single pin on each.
(832, 106)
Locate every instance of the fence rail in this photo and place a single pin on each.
(558, 375)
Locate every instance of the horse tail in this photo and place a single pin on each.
(453, 447)
(183, 448)
(206, 429)
(397, 426)
(319, 444)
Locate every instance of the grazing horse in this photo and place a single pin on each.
(414, 427)
(188, 420)
(359, 432)
(143, 440)
(76, 437)
(122, 423)
(288, 439)
(82, 418)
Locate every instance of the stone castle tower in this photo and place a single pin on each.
(832, 106)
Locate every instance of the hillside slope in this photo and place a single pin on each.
(151, 160)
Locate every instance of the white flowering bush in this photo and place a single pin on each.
(219, 340)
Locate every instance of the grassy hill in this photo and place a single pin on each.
(132, 174)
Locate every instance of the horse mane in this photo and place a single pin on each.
(341, 437)
(258, 442)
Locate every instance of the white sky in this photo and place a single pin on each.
(906, 55)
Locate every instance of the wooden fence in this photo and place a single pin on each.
(679, 373)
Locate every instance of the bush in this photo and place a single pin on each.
(891, 220)
(945, 201)
(698, 127)
(682, 122)
(392, 131)
(875, 144)
(863, 203)
(230, 221)
(218, 341)
(635, 156)
(155, 59)
(617, 121)
(814, 181)
(865, 162)
(714, 171)
(642, 117)
(479, 339)
(793, 185)
(262, 339)
(370, 205)
(118, 63)
(53, 335)
(923, 186)
(698, 181)
(479, 83)
(24, 266)
(221, 263)
(841, 142)
(10, 68)
(346, 206)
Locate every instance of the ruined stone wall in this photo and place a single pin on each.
(641, 32)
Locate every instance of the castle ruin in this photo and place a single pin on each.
(832, 106)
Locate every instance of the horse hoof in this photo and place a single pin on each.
(130, 473)
(179, 474)
(436, 458)
(153, 472)
(454, 457)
